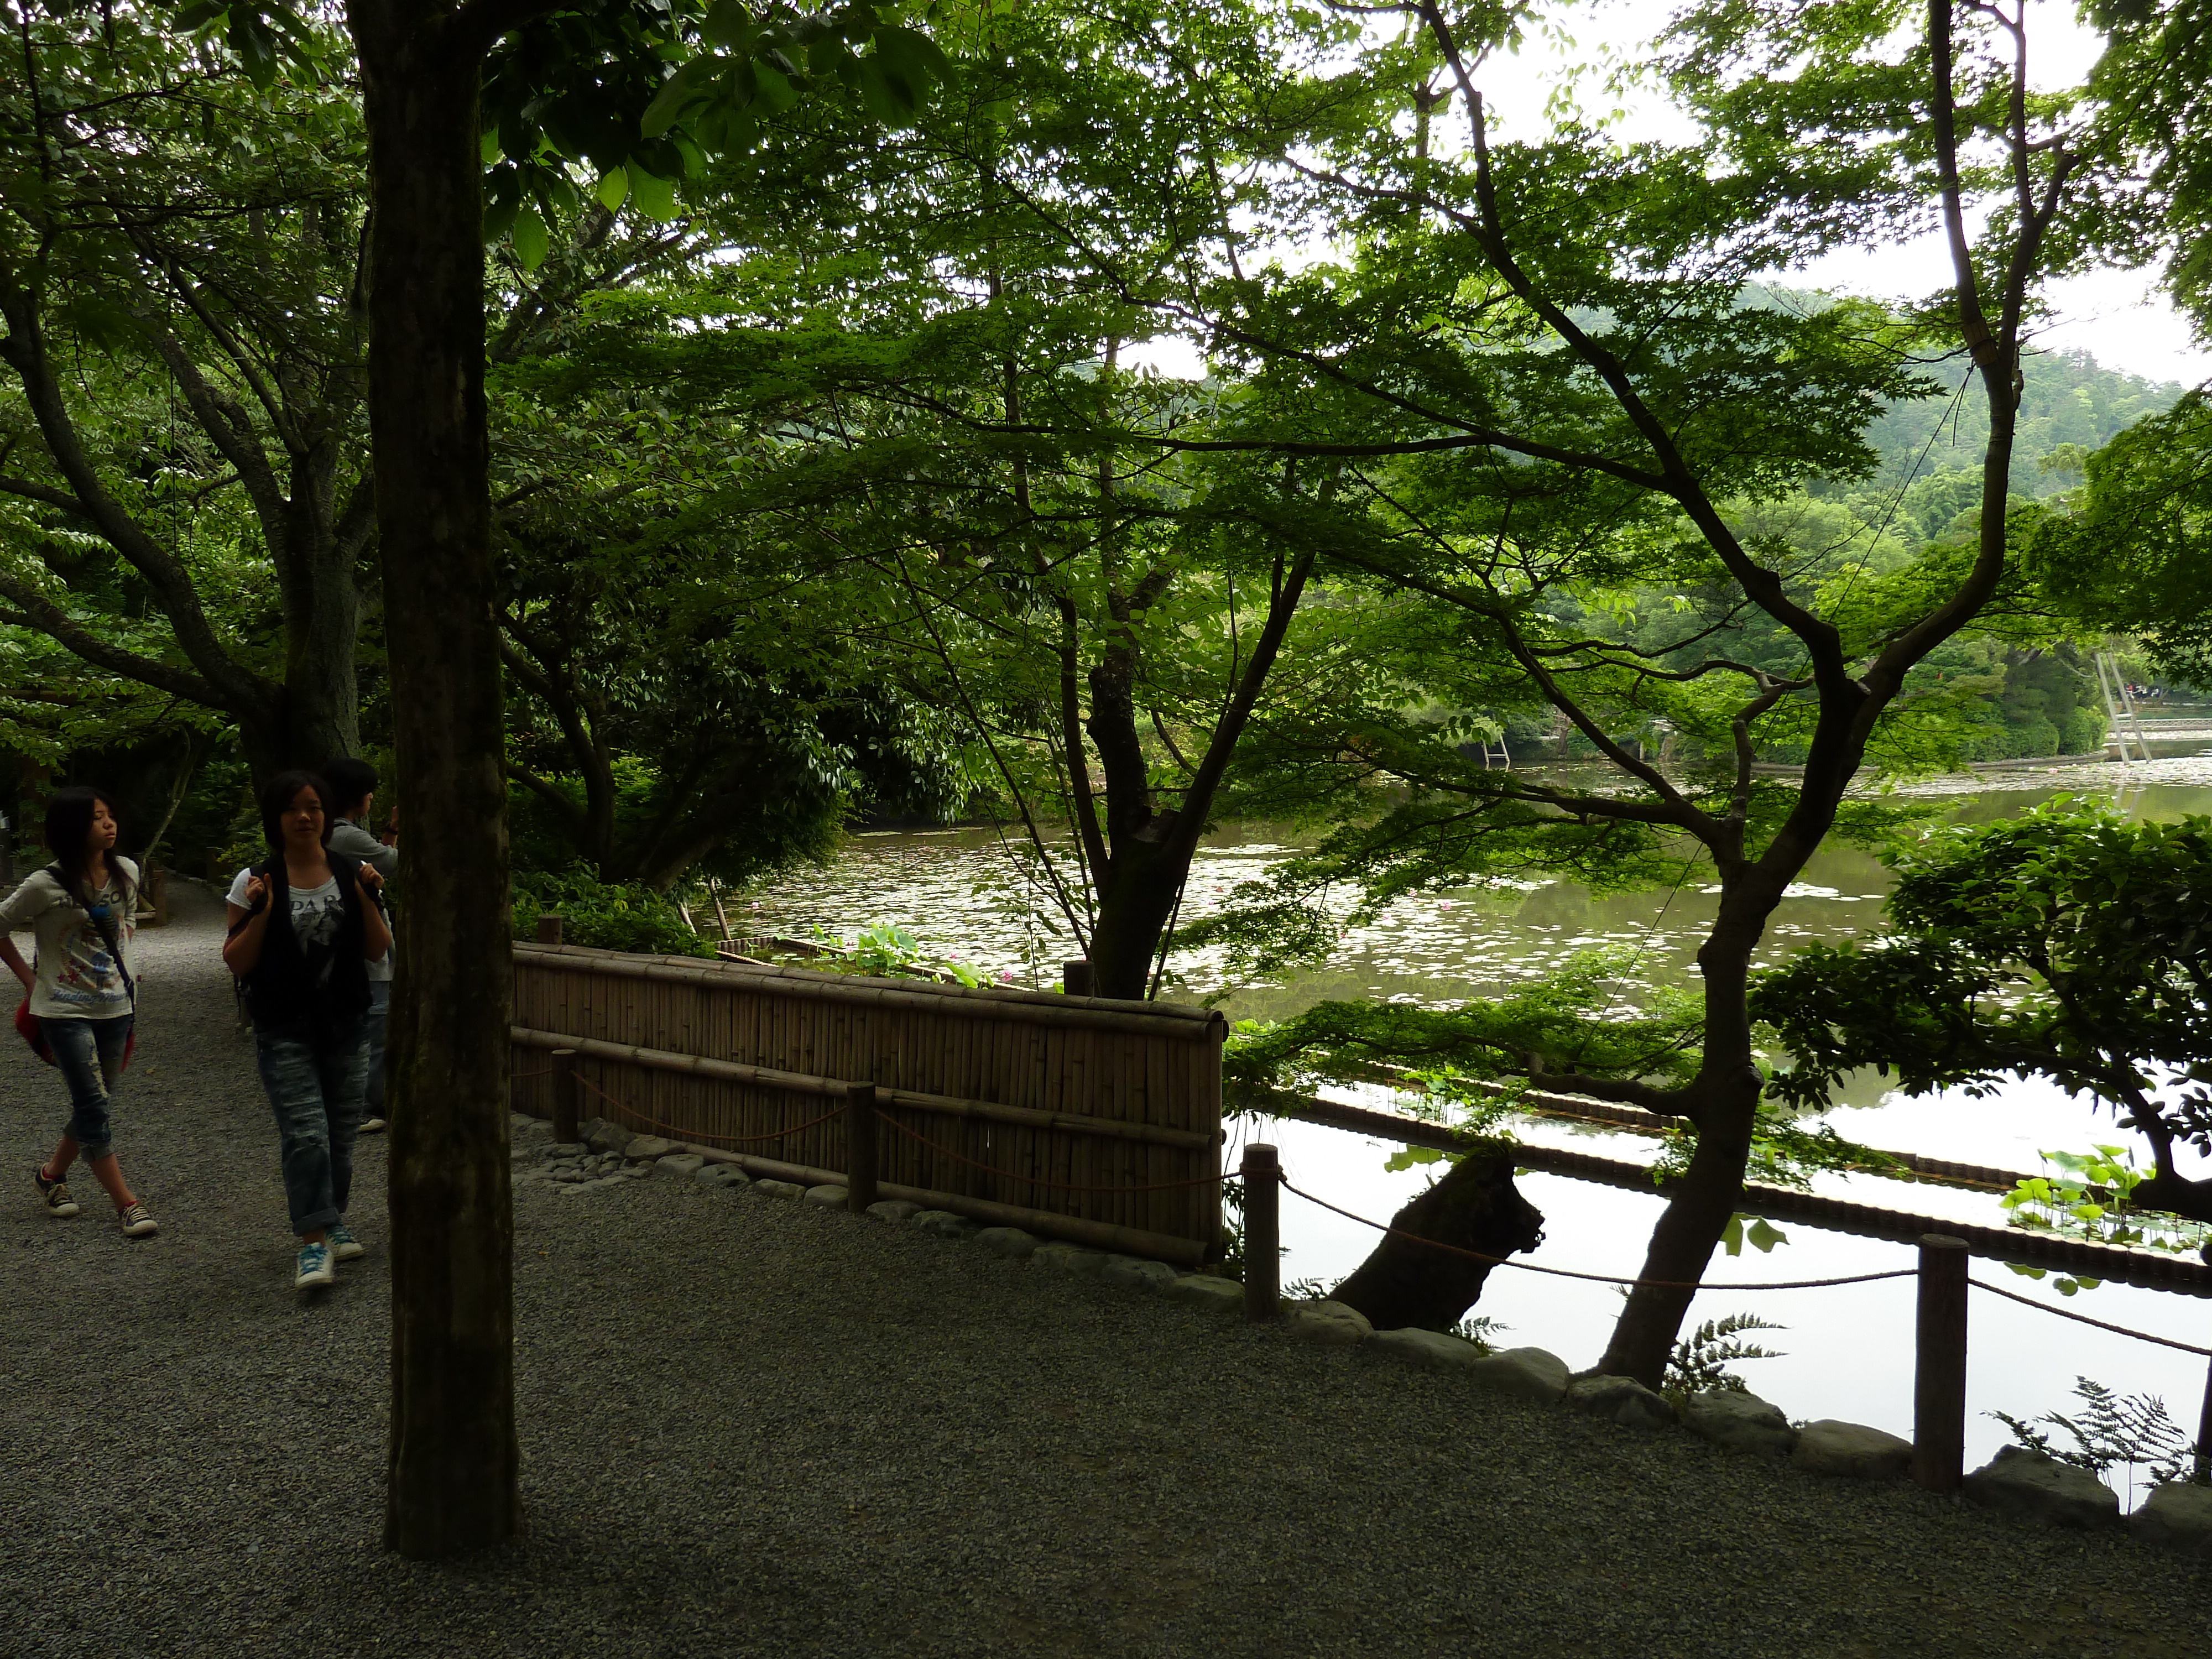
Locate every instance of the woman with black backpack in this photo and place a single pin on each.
(304, 926)
(83, 909)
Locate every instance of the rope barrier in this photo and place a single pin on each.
(2084, 1319)
(1039, 1181)
(652, 1122)
(1602, 1279)
(525, 1077)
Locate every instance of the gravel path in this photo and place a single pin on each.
(751, 1427)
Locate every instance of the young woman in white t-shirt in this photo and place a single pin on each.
(304, 925)
(83, 913)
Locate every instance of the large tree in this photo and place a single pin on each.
(1547, 367)
(181, 285)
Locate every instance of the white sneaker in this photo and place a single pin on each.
(371, 1125)
(344, 1247)
(314, 1269)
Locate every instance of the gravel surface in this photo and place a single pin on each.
(754, 1425)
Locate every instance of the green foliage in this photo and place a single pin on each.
(2068, 943)
(885, 949)
(2134, 556)
(1700, 1361)
(1570, 1022)
(607, 915)
(1481, 1330)
(2091, 1197)
(2110, 1430)
(612, 101)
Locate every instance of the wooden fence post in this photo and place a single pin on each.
(1075, 978)
(859, 1147)
(1263, 1232)
(565, 1130)
(1939, 1378)
(549, 930)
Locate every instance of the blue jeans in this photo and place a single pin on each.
(315, 1082)
(90, 1053)
(379, 1008)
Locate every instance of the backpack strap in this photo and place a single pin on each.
(102, 925)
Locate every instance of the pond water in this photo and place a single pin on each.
(1847, 1351)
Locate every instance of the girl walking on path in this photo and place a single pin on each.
(304, 926)
(82, 910)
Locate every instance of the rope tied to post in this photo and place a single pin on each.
(1598, 1279)
(2084, 1319)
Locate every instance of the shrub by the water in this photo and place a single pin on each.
(609, 915)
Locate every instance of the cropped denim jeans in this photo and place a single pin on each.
(379, 1014)
(90, 1055)
(315, 1080)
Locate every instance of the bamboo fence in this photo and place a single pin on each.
(1101, 1113)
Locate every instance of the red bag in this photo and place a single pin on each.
(34, 1032)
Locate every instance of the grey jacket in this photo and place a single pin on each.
(355, 842)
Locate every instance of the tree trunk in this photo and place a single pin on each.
(1724, 1106)
(454, 1461)
(1135, 899)
(322, 691)
(1477, 1208)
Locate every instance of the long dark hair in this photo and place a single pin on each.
(68, 832)
(276, 797)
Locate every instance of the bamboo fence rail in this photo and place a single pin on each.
(1098, 1112)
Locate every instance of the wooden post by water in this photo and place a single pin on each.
(1939, 1378)
(859, 1147)
(1263, 1232)
(1075, 978)
(565, 1130)
(549, 930)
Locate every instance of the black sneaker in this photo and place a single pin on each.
(137, 1224)
(55, 1193)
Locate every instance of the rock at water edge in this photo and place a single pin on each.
(2177, 1517)
(1008, 1242)
(2022, 1481)
(1621, 1399)
(684, 1164)
(1743, 1421)
(644, 1149)
(897, 1210)
(1330, 1324)
(779, 1188)
(1432, 1350)
(1524, 1373)
(829, 1197)
(1204, 1291)
(722, 1175)
(1829, 1447)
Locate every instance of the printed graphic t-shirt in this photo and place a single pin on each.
(76, 977)
(318, 912)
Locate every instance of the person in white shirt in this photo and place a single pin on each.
(83, 998)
